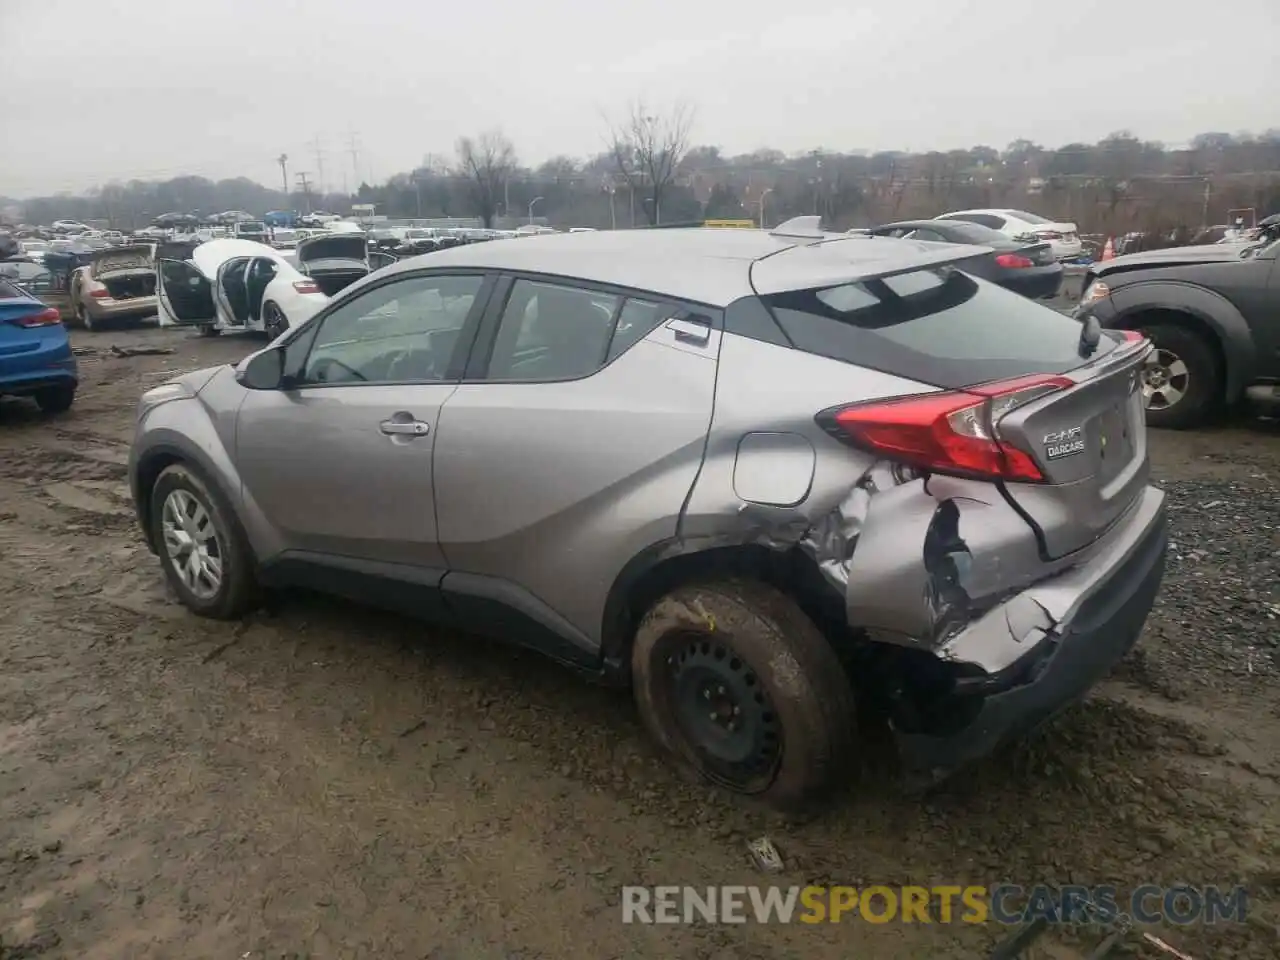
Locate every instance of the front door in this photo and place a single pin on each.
(340, 464)
(185, 294)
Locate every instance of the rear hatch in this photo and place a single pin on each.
(342, 247)
(138, 256)
(1022, 400)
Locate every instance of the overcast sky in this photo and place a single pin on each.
(96, 91)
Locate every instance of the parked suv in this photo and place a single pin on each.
(754, 476)
(1213, 313)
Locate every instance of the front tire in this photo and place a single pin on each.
(736, 683)
(202, 550)
(1181, 384)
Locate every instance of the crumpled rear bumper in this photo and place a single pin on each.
(1099, 611)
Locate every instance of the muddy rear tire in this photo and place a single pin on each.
(740, 688)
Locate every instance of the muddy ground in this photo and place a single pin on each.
(326, 781)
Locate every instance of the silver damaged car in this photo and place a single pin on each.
(757, 477)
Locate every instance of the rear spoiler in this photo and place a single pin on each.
(819, 263)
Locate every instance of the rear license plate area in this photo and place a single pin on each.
(1115, 441)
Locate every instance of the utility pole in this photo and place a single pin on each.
(283, 160)
(306, 190)
(318, 147)
(353, 148)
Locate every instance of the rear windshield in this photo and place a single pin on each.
(1027, 217)
(251, 227)
(974, 232)
(940, 327)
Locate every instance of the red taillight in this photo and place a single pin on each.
(950, 432)
(1013, 260)
(45, 318)
(101, 294)
(305, 286)
(1130, 335)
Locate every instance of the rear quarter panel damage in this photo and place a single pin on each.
(916, 558)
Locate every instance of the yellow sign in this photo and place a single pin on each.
(738, 224)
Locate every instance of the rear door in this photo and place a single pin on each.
(230, 291)
(185, 294)
(573, 442)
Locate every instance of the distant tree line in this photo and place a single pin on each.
(653, 172)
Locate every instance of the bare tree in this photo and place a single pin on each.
(487, 162)
(647, 150)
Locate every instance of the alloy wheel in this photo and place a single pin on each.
(191, 543)
(1165, 379)
(274, 322)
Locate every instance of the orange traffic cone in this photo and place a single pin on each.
(1108, 250)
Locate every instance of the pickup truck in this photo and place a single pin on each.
(1213, 314)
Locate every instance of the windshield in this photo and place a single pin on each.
(1027, 217)
(252, 226)
(939, 327)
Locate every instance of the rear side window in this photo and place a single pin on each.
(551, 331)
(940, 327)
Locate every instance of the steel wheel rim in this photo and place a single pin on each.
(191, 543)
(1165, 380)
(723, 712)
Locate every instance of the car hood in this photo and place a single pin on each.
(1174, 256)
(135, 256)
(339, 247)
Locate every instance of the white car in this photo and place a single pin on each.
(35, 249)
(69, 226)
(236, 285)
(1062, 237)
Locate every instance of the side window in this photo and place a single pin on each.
(931, 236)
(637, 319)
(402, 332)
(552, 332)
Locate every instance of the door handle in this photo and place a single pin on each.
(691, 329)
(404, 428)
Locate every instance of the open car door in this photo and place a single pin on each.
(184, 293)
(231, 292)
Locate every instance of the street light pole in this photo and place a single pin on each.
(531, 203)
(767, 191)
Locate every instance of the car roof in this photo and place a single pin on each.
(704, 265)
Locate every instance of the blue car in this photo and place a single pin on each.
(35, 352)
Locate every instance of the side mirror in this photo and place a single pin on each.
(263, 370)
